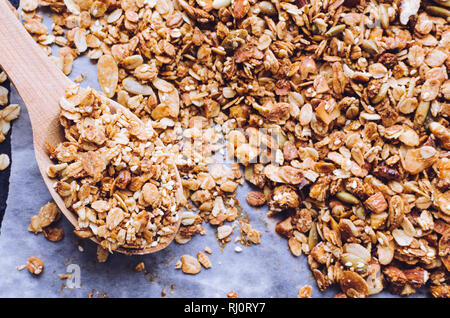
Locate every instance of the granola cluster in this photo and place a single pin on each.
(337, 110)
(8, 113)
(114, 174)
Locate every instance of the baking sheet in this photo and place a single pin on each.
(265, 270)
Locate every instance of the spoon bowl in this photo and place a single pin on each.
(41, 85)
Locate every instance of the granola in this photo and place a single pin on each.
(336, 110)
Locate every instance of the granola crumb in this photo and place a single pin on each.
(140, 267)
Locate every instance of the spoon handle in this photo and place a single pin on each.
(37, 79)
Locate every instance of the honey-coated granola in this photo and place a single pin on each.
(337, 111)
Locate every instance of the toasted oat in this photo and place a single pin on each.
(190, 265)
(204, 260)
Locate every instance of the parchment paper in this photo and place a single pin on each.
(265, 270)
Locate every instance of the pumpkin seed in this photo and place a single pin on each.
(438, 11)
(347, 198)
(131, 85)
(421, 113)
(337, 29)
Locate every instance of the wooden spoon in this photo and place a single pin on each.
(41, 85)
